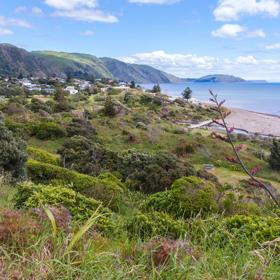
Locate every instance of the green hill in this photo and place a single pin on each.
(15, 61)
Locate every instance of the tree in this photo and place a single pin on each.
(156, 89)
(274, 160)
(132, 84)
(109, 109)
(187, 93)
(12, 153)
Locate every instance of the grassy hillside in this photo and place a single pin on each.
(15, 61)
(121, 176)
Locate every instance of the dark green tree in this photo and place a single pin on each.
(132, 84)
(274, 160)
(187, 93)
(156, 88)
(109, 109)
(12, 153)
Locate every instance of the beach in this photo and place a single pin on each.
(254, 122)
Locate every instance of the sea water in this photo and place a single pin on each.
(253, 96)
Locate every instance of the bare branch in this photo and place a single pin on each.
(236, 150)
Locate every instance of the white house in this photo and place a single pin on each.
(71, 90)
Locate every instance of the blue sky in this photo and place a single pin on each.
(188, 38)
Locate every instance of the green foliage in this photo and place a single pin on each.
(80, 127)
(37, 105)
(187, 93)
(47, 130)
(274, 160)
(106, 189)
(155, 224)
(42, 156)
(156, 88)
(237, 230)
(80, 154)
(188, 196)
(81, 207)
(12, 152)
(152, 173)
(109, 109)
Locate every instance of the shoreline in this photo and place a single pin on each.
(254, 122)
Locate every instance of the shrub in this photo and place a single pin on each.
(236, 231)
(106, 190)
(152, 173)
(80, 154)
(155, 224)
(12, 152)
(43, 156)
(80, 207)
(109, 109)
(47, 130)
(80, 127)
(188, 196)
(274, 160)
(37, 105)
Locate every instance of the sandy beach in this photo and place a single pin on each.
(254, 122)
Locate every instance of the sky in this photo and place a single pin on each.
(188, 38)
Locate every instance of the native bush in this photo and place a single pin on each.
(236, 230)
(42, 156)
(155, 224)
(47, 130)
(12, 152)
(188, 196)
(274, 160)
(152, 173)
(80, 127)
(80, 154)
(37, 105)
(81, 208)
(107, 189)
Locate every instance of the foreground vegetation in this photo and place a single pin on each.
(112, 185)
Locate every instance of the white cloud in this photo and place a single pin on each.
(246, 60)
(232, 9)
(81, 10)
(71, 4)
(234, 30)
(88, 33)
(4, 21)
(5, 31)
(87, 15)
(228, 31)
(161, 2)
(191, 65)
(273, 46)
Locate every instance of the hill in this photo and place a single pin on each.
(219, 79)
(15, 61)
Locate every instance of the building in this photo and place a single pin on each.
(71, 90)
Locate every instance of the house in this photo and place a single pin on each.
(71, 90)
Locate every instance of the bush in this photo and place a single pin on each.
(152, 173)
(80, 154)
(47, 130)
(236, 231)
(12, 153)
(43, 156)
(108, 191)
(188, 196)
(80, 127)
(81, 207)
(155, 224)
(274, 160)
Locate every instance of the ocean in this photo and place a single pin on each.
(258, 97)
